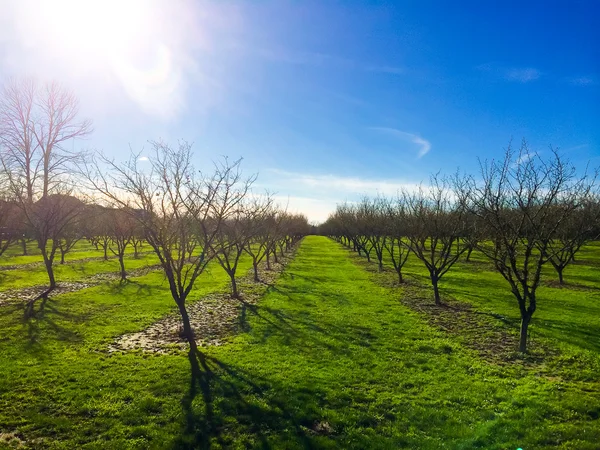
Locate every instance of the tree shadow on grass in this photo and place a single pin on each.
(44, 326)
(580, 335)
(300, 330)
(238, 405)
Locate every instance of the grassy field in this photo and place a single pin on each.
(330, 358)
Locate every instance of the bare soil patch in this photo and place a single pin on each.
(214, 318)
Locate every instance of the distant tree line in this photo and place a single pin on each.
(521, 212)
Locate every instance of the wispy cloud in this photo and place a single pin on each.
(424, 144)
(522, 75)
(320, 59)
(508, 73)
(582, 81)
(143, 158)
(335, 184)
(576, 147)
(392, 70)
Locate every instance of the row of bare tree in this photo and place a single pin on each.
(56, 196)
(521, 212)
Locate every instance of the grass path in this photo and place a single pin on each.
(330, 359)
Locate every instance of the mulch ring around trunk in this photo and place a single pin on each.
(24, 295)
(214, 318)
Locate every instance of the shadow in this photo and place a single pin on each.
(578, 334)
(255, 408)
(44, 326)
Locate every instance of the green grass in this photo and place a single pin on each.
(77, 271)
(81, 250)
(569, 316)
(331, 359)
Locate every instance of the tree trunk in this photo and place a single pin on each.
(255, 266)
(50, 271)
(436, 291)
(234, 288)
(469, 254)
(523, 338)
(268, 262)
(62, 257)
(380, 265)
(275, 256)
(105, 252)
(188, 333)
(400, 279)
(24, 245)
(560, 275)
(122, 264)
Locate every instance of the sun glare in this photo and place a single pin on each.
(106, 29)
(134, 41)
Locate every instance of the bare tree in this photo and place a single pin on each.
(35, 126)
(576, 230)
(165, 199)
(396, 227)
(435, 227)
(9, 220)
(36, 123)
(122, 228)
(522, 200)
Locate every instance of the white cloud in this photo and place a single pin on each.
(515, 74)
(424, 144)
(143, 158)
(582, 81)
(316, 195)
(522, 75)
(339, 186)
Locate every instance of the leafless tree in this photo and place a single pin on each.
(165, 198)
(522, 200)
(122, 228)
(36, 123)
(575, 231)
(396, 229)
(435, 228)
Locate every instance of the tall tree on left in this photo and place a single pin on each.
(38, 124)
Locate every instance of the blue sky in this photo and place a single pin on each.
(326, 100)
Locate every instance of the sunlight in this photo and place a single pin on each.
(99, 29)
(134, 43)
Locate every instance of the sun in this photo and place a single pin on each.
(104, 30)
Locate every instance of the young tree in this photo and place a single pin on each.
(435, 228)
(522, 201)
(166, 198)
(572, 234)
(396, 227)
(122, 228)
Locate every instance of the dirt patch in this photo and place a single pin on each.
(11, 440)
(214, 317)
(24, 295)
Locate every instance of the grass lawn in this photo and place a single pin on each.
(81, 250)
(34, 276)
(567, 317)
(330, 359)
